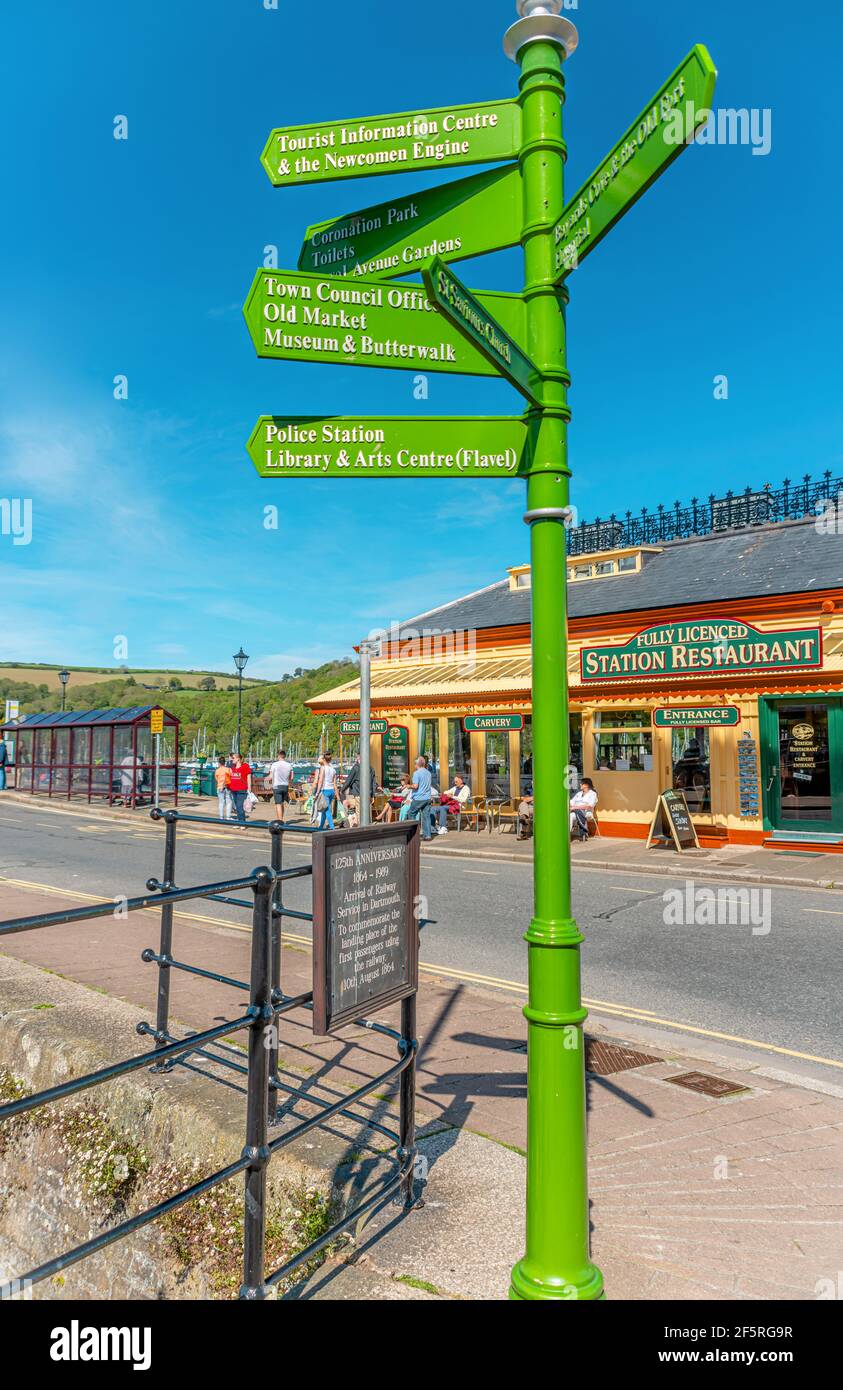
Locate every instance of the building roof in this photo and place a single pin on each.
(57, 720)
(785, 558)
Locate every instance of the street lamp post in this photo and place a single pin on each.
(64, 677)
(556, 1263)
(240, 658)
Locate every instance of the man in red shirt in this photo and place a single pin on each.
(240, 786)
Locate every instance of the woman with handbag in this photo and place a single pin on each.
(326, 786)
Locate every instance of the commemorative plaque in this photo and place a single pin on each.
(365, 930)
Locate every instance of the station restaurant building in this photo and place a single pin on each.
(706, 654)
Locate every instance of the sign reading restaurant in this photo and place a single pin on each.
(702, 648)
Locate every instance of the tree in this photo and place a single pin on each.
(207, 683)
(174, 683)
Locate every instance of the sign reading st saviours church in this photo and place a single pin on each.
(703, 648)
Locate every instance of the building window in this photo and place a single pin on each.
(582, 571)
(522, 581)
(627, 562)
(429, 745)
(459, 752)
(692, 767)
(605, 567)
(497, 764)
(526, 759)
(623, 741)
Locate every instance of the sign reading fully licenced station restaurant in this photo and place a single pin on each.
(702, 648)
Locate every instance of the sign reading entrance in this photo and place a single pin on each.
(299, 317)
(398, 446)
(484, 723)
(352, 726)
(469, 217)
(672, 821)
(365, 931)
(662, 131)
(702, 648)
(436, 139)
(696, 717)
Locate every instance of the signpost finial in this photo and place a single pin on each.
(540, 21)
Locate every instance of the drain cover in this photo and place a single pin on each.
(715, 1086)
(604, 1058)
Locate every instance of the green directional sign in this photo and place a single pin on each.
(365, 323)
(468, 217)
(662, 131)
(447, 135)
(401, 446)
(471, 318)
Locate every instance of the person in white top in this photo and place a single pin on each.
(451, 801)
(281, 776)
(326, 783)
(583, 803)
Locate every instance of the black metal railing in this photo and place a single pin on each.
(701, 517)
(267, 1003)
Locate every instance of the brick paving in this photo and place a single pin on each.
(691, 1197)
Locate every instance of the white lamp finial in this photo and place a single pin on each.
(526, 8)
(540, 22)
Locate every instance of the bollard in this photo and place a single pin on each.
(256, 1150)
(165, 949)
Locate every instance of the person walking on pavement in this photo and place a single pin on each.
(222, 778)
(240, 785)
(422, 796)
(281, 777)
(4, 759)
(325, 791)
(350, 792)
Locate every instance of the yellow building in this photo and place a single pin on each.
(711, 662)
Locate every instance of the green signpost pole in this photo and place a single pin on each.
(556, 1262)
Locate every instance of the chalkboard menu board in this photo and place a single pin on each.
(396, 755)
(672, 821)
(365, 930)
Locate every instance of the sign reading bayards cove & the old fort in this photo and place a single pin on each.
(707, 647)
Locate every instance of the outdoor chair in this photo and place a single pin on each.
(507, 814)
(474, 808)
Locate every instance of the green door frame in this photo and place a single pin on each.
(768, 727)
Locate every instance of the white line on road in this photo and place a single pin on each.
(826, 911)
(486, 873)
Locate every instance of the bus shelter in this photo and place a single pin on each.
(95, 755)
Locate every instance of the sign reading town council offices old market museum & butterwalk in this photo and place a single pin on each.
(360, 315)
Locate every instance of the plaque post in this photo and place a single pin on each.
(556, 1262)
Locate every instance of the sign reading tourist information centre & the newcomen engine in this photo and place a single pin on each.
(365, 930)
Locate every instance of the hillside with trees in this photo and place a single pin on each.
(268, 709)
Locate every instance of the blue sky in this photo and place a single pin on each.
(134, 257)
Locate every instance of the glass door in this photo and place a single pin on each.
(805, 777)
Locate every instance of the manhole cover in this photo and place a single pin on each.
(715, 1086)
(604, 1058)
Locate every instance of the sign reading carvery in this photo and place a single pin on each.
(703, 648)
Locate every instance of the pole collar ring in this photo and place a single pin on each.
(563, 514)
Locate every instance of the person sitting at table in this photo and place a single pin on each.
(398, 799)
(582, 807)
(525, 815)
(451, 802)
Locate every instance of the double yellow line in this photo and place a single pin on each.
(629, 1012)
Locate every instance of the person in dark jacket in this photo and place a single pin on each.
(4, 758)
(350, 792)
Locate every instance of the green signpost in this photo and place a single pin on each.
(397, 446)
(521, 338)
(401, 144)
(468, 217)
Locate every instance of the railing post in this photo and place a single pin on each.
(276, 833)
(165, 949)
(407, 1099)
(256, 1150)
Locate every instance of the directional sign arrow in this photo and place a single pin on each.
(470, 317)
(662, 131)
(398, 446)
(362, 322)
(468, 217)
(448, 135)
